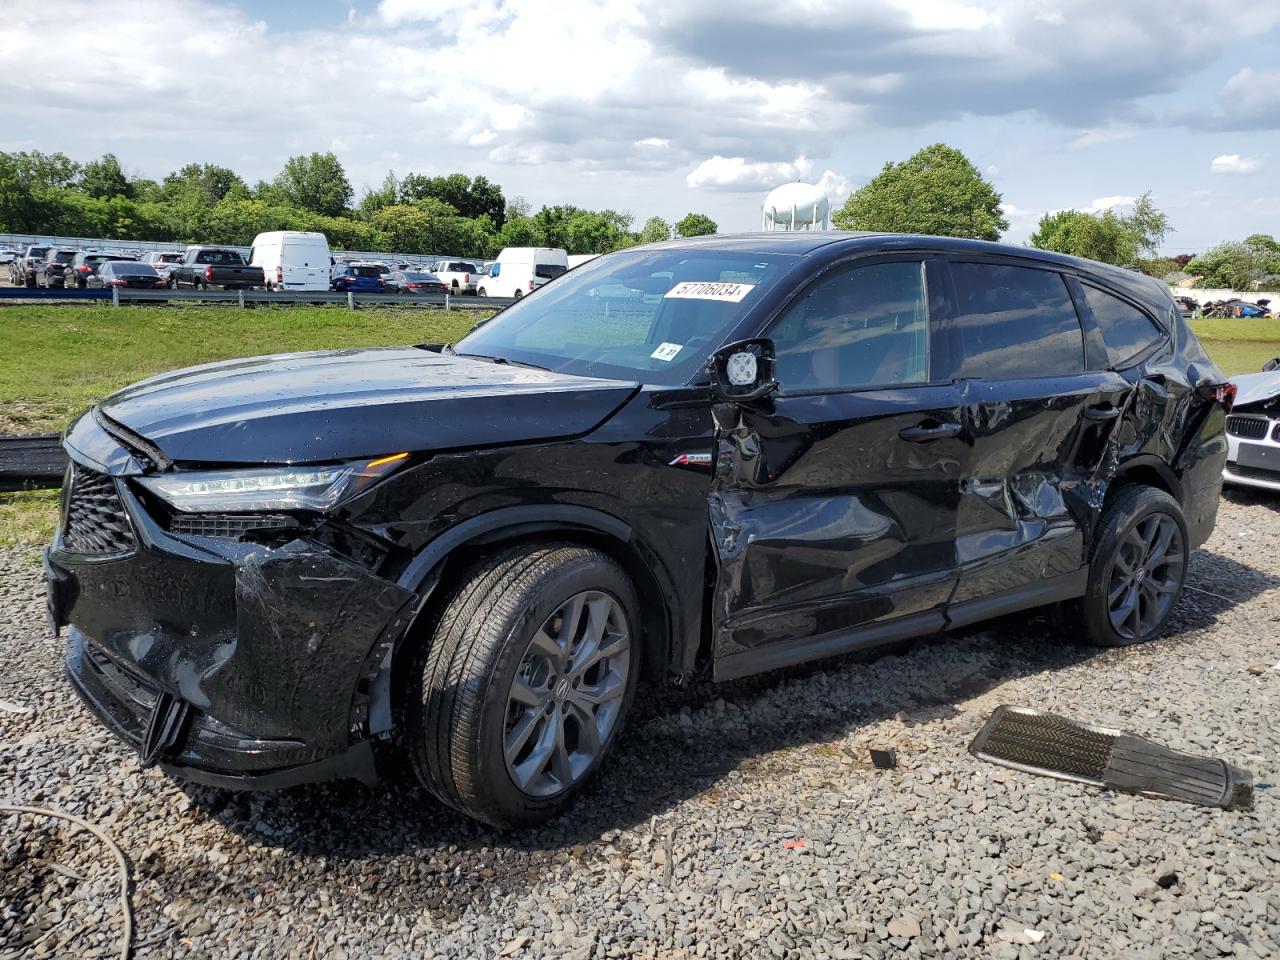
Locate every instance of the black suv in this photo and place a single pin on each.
(721, 455)
(52, 270)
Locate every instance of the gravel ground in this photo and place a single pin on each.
(737, 821)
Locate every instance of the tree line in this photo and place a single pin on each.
(936, 191)
(49, 193)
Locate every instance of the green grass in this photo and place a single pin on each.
(57, 360)
(1239, 346)
(27, 518)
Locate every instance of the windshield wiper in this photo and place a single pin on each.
(501, 360)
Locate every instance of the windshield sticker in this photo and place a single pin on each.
(667, 351)
(710, 290)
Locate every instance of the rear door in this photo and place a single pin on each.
(834, 502)
(1039, 409)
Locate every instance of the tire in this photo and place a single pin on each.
(31, 281)
(463, 707)
(1154, 587)
(517, 295)
(482, 292)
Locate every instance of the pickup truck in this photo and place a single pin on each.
(205, 267)
(458, 275)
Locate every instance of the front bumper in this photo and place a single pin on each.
(229, 663)
(1254, 461)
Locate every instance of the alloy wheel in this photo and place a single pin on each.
(567, 694)
(1145, 576)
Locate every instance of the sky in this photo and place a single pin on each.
(662, 108)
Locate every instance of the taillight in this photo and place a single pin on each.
(1223, 393)
(117, 283)
(466, 278)
(279, 274)
(208, 274)
(531, 286)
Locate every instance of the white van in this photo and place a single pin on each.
(521, 270)
(292, 260)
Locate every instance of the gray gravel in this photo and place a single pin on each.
(737, 821)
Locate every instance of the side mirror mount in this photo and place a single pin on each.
(743, 371)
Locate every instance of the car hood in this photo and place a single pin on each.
(1256, 387)
(348, 404)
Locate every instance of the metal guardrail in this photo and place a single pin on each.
(244, 298)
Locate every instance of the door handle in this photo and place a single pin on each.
(924, 432)
(1102, 411)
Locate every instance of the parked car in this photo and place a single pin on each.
(51, 272)
(23, 272)
(163, 261)
(521, 270)
(1253, 431)
(357, 278)
(7, 255)
(412, 281)
(126, 273)
(86, 264)
(787, 446)
(292, 260)
(458, 275)
(205, 267)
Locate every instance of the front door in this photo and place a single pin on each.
(833, 507)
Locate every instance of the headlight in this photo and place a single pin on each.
(267, 488)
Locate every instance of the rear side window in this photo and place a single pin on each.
(1015, 323)
(1125, 329)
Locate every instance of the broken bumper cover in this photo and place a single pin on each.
(228, 663)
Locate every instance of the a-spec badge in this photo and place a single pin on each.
(691, 460)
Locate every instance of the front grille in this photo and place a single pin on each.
(96, 522)
(226, 524)
(1248, 428)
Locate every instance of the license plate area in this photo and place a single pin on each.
(1258, 457)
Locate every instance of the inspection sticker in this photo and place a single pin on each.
(667, 351)
(710, 290)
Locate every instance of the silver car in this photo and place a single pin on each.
(1253, 432)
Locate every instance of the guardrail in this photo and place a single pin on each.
(244, 298)
(36, 461)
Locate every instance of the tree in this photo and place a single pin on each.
(316, 183)
(936, 191)
(655, 230)
(1237, 265)
(471, 198)
(1107, 236)
(696, 225)
(104, 178)
(203, 184)
(385, 196)
(518, 232)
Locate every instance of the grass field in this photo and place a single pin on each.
(55, 361)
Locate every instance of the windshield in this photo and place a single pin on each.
(129, 268)
(365, 272)
(652, 316)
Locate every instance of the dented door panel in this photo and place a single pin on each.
(1025, 504)
(824, 519)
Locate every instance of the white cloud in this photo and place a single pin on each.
(1101, 135)
(835, 186)
(737, 173)
(1235, 163)
(993, 170)
(659, 143)
(1102, 204)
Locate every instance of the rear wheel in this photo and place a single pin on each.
(482, 292)
(1137, 570)
(525, 684)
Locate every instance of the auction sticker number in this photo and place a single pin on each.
(710, 290)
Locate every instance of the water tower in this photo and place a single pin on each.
(796, 206)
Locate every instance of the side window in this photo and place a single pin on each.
(865, 326)
(1126, 330)
(1015, 322)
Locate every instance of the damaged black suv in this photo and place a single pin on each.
(720, 455)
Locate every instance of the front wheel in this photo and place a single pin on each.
(1137, 569)
(525, 683)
